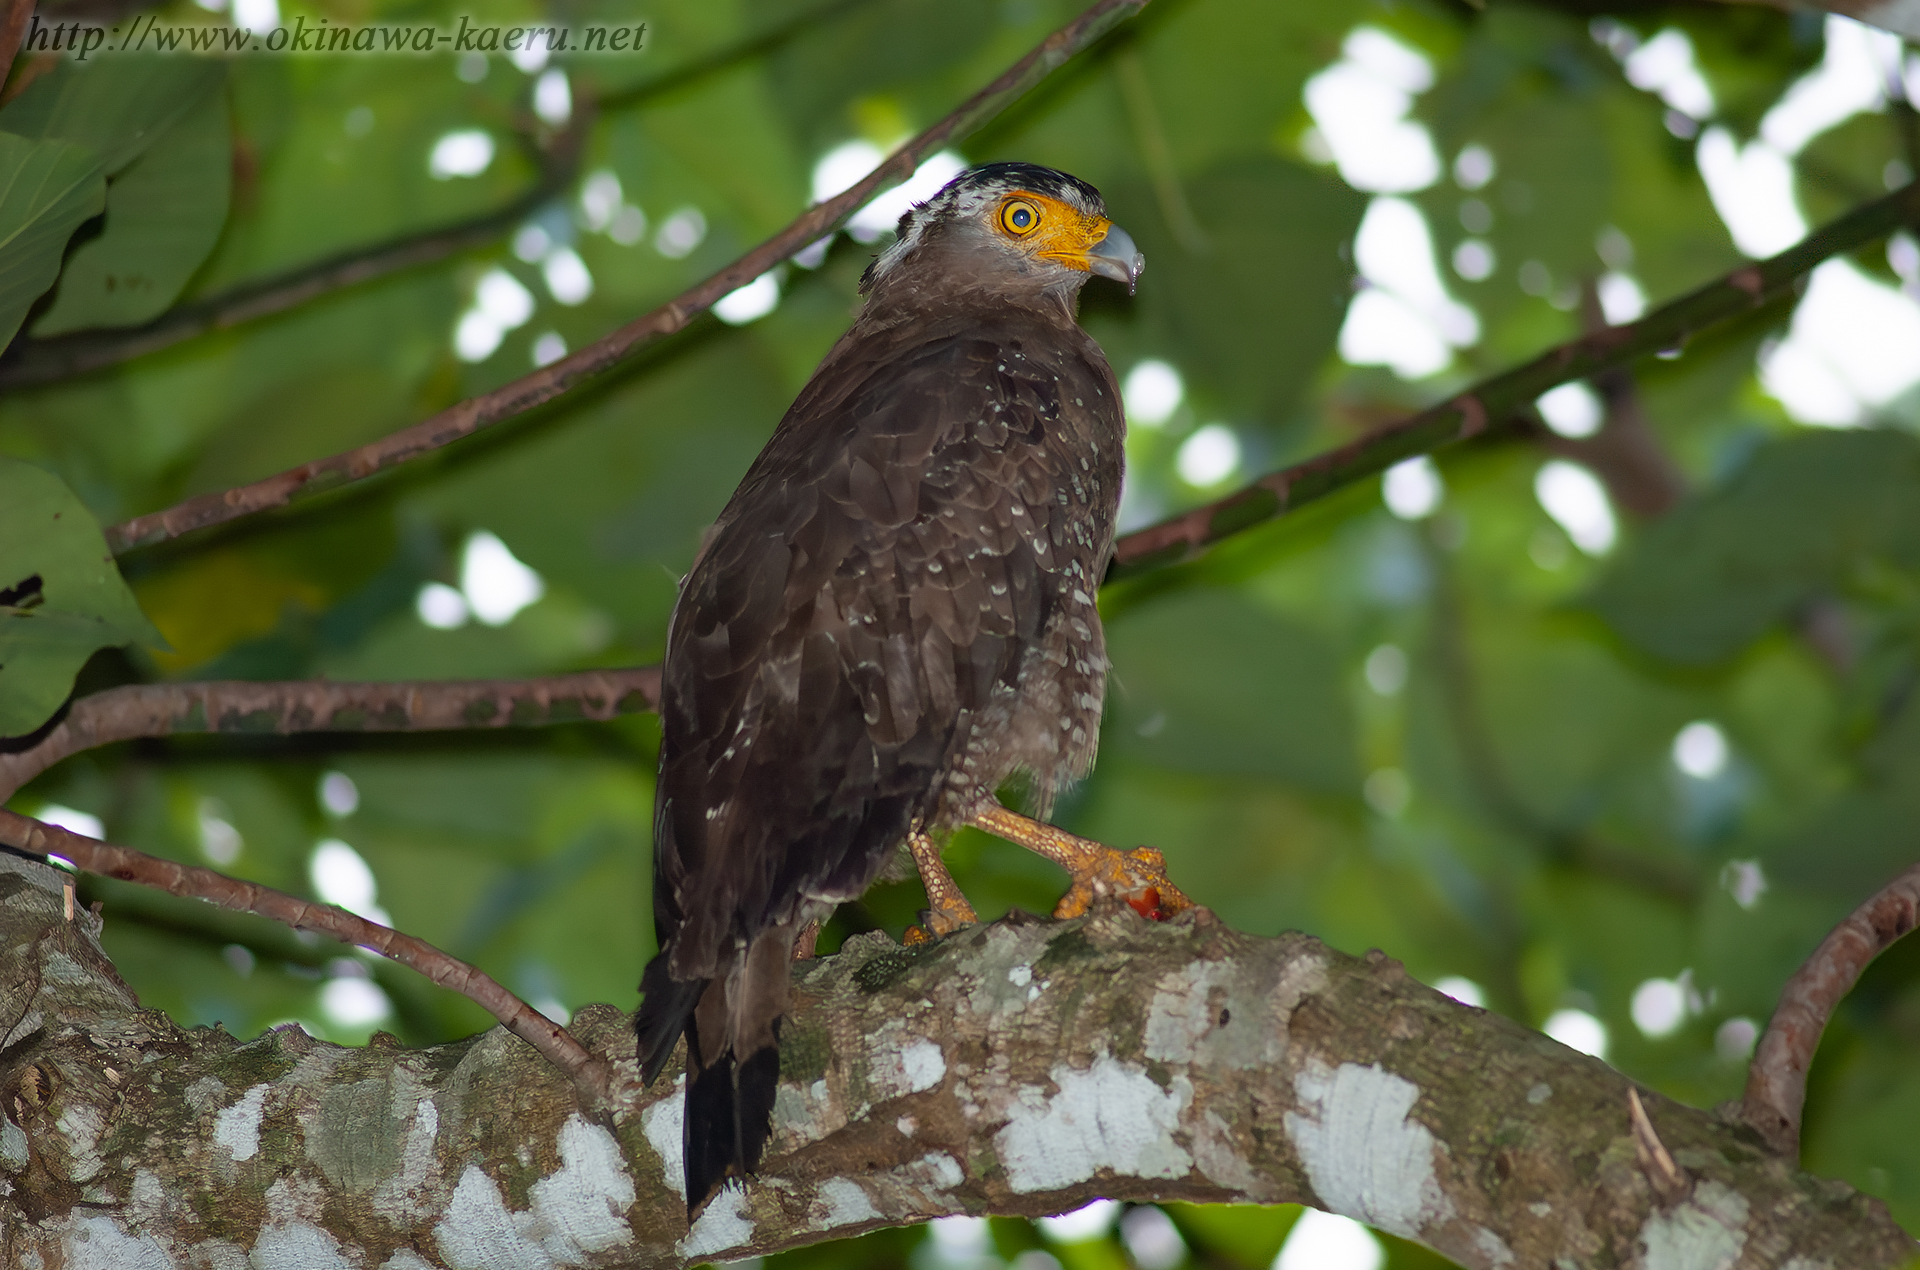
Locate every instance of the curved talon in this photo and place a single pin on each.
(938, 924)
(1138, 877)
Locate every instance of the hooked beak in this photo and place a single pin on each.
(1116, 257)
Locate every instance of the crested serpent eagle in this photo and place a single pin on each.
(893, 615)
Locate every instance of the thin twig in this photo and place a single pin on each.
(1669, 1181)
(1468, 414)
(1641, 477)
(544, 385)
(317, 705)
(13, 29)
(1777, 1077)
(592, 1076)
(1906, 118)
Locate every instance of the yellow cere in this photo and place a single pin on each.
(1051, 228)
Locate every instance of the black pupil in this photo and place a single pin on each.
(1022, 218)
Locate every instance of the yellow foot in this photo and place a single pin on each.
(939, 923)
(1138, 876)
(948, 909)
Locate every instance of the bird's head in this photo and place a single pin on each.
(1012, 226)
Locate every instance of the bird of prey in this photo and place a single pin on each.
(893, 615)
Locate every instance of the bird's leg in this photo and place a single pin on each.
(804, 942)
(947, 909)
(1138, 876)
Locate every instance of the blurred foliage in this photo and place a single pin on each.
(62, 600)
(1452, 739)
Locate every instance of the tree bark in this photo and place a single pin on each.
(1019, 1068)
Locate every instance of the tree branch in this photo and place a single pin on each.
(544, 385)
(1468, 414)
(31, 361)
(1019, 1069)
(318, 705)
(1777, 1077)
(589, 1075)
(1169, 542)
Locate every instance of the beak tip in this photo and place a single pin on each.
(1116, 257)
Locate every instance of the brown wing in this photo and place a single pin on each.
(870, 588)
(868, 596)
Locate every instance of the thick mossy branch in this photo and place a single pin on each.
(1019, 1068)
(589, 1075)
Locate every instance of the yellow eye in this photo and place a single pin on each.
(1019, 217)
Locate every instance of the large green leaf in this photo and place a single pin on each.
(1706, 580)
(1252, 311)
(164, 212)
(1206, 682)
(46, 189)
(115, 112)
(61, 597)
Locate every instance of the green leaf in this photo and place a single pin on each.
(1253, 312)
(1206, 682)
(61, 597)
(164, 212)
(117, 113)
(1700, 584)
(46, 189)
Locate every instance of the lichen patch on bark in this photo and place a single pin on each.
(582, 1207)
(723, 1224)
(1365, 1155)
(664, 1123)
(237, 1127)
(1112, 1116)
(841, 1202)
(1707, 1231)
(479, 1232)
